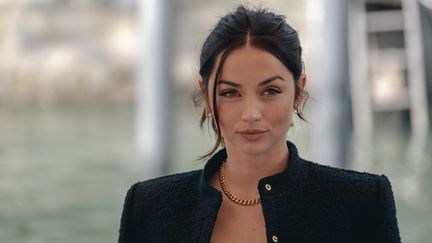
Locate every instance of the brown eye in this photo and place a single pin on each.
(272, 91)
(228, 93)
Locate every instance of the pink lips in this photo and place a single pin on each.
(252, 134)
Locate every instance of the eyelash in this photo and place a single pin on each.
(275, 91)
(231, 91)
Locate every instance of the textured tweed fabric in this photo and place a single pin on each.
(308, 202)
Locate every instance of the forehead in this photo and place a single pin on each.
(252, 64)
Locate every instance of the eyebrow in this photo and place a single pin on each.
(262, 83)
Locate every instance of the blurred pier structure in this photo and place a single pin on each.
(387, 72)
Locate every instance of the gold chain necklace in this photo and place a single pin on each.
(228, 193)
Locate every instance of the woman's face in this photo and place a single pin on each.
(255, 100)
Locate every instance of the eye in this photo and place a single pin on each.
(271, 91)
(229, 93)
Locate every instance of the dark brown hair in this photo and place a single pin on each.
(260, 28)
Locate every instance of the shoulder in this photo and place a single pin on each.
(347, 191)
(167, 184)
(349, 181)
(360, 200)
(164, 190)
(152, 202)
(331, 173)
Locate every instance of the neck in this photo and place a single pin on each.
(243, 171)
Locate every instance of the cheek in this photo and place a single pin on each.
(280, 116)
(228, 117)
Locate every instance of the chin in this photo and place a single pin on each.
(255, 148)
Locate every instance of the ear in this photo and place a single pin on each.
(301, 84)
(201, 85)
(204, 93)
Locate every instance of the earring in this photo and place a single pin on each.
(295, 110)
(209, 115)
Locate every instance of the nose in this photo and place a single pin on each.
(251, 110)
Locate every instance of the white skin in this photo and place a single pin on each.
(244, 104)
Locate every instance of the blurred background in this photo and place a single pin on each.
(95, 95)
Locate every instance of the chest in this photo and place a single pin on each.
(235, 223)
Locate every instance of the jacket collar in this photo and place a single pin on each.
(283, 179)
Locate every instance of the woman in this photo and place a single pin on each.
(257, 188)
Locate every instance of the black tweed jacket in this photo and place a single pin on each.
(308, 202)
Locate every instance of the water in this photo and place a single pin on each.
(64, 172)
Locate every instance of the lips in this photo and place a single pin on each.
(252, 134)
(252, 131)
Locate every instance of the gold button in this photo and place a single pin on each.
(268, 187)
(274, 238)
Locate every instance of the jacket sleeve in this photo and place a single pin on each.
(127, 232)
(388, 225)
